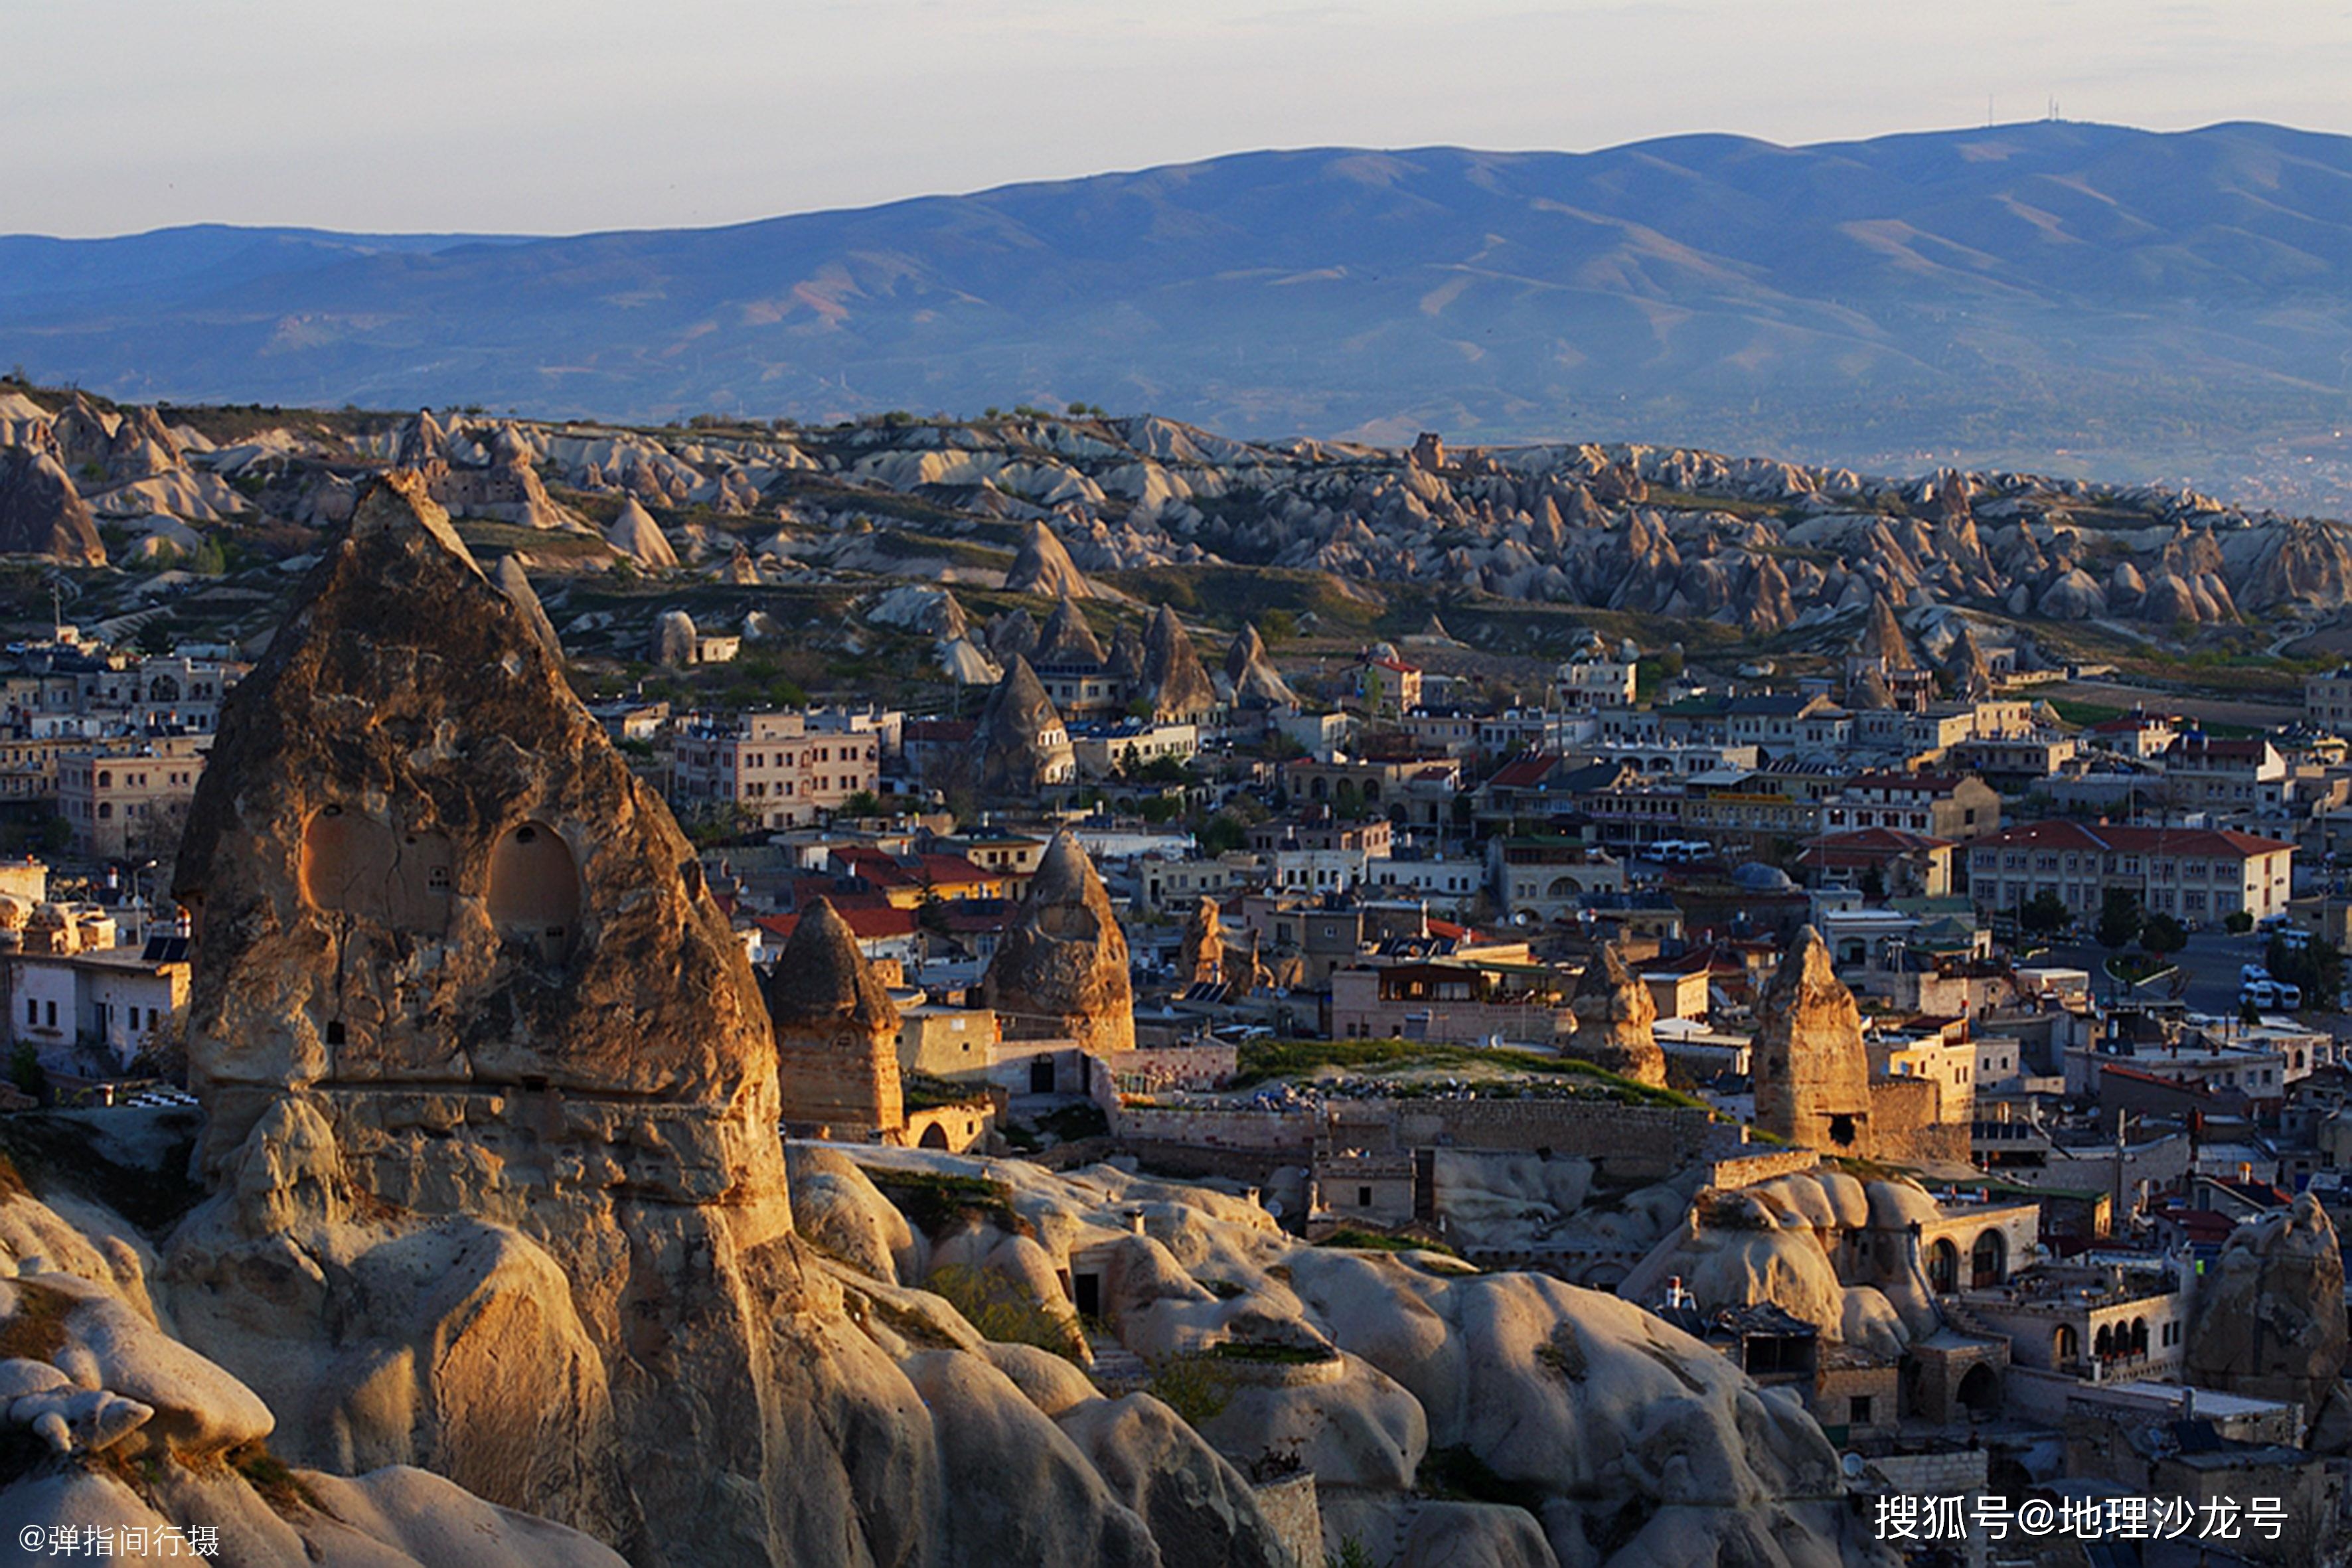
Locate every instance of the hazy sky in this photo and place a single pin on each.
(534, 116)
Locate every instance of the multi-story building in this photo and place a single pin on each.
(129, 798)
(1778, 722)
(1104, 747)
(782, 770)
(1386, 685)
(1595, 677)
(1549, 877)
(2195, 874)
(2327, 699)
(2016, 762)
(2201, 774)
(109, 1000)
(1941, 805)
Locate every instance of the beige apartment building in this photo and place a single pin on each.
(128, 798)
(783, 770)
(2195, 874)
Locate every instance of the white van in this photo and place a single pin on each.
(2260, 992)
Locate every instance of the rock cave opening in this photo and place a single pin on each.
(534, 891)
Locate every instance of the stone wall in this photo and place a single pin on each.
(1629, 1143)
(1285, 1134)
(1294, 1515)
(1907, 1125)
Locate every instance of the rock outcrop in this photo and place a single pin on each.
(515, 584)
(836, 1033)
(1812, 1073)
(1021, 744)
(1250, 675)
(490, 1107)
(1201, 957)
(1043, 566)
(674, 640)
(2269, 1315)
(41, 513)
(1061, 973)
(1178, 688)
(1614, 1012)
(636, 534)
(1067, 639)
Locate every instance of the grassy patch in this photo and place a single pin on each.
(921, 1091)
(1195, 1386)
(271, 1477)
(1264, 1060)
(1005, 1317)
(1351, 1239)
(936, 1201)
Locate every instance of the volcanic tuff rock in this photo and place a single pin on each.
(1012, 632)
(675, 640)
(1812, 1073)
(2268, 1317)
(1250, 675)
(1179, 687)
(515, 584)
(1020, 743)
(636, 534)
(1067, 638)
(40, 511)
(1062, 971)
(1044, 567)
(837, 1030)
(1613, 1013)
(490, 1095)
(1202, 959)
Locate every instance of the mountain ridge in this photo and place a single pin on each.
(2161, 303)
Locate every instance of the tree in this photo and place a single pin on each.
(2160, 935)
(2119, 919)
(2237, 923)
(2316, 967)
(2044, 914)
(1221, 833)
(865, 803)
(1874, 884)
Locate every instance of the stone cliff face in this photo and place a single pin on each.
(1614, 1012)
(1061, 973)
(2269, 1315)
(1812, 1073)
(491, 1109)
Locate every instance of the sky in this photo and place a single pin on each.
(531, 116)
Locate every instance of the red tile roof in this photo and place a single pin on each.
(2097, 838)
(865, 923)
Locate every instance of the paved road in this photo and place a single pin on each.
(2212, 960)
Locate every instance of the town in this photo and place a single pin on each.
(1975, 1075)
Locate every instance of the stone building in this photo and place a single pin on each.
(837, 1034)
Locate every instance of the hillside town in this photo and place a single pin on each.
(1976, 1076)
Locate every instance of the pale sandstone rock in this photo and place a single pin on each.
(2269, 1318)
(1061, 971)
(1614, 1013)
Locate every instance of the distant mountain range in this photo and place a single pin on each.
(2055, 296)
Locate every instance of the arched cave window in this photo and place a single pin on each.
(934, 1137)
(354, 864)
(534, 895)
(1842, 1131)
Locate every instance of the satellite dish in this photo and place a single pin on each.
(1850, 1464)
